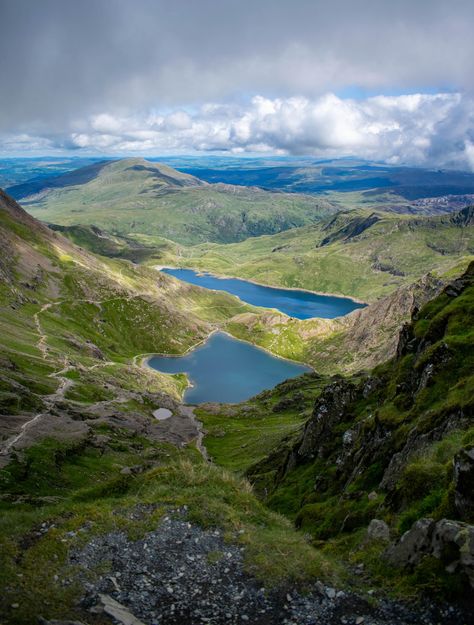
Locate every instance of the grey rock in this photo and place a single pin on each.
(413, 545)
(450, 541)
(378, 530)
(118, 612)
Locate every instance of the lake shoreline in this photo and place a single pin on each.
(145, 358)
(301, 367)
(268, 286)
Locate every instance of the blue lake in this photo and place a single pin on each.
(224, 369)
(294, 303)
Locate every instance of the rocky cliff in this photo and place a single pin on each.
(396, 444)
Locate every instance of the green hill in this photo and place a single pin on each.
(84, 463)
(136, 196)
(71, 322)
(361, 254)
(395, 445)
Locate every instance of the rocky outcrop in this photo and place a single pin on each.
(416, 442)
(353, 227)
(330, 409)
(463, 469)
(451, 542)
(371, 335)
(368, 451)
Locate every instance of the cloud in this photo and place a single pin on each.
(417, 129)
(64, 61)
(157, 76)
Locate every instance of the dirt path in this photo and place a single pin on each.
(189, 412)
(41, 344)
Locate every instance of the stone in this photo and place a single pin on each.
(117, 611)
(378, 530)
(453, 543)
(463, 469)
(413, 545)
(450, 541)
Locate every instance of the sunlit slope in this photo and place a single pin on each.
(136, 196)
(360, 254)
(69, 315)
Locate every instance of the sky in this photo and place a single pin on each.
(376, 79)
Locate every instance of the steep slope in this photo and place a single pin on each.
(358, 341)
(396, 446)
(137, 196)
(357, 253)
(71, 325)
(84, 466)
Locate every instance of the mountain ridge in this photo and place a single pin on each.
(137, 196)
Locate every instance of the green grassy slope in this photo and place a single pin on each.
(356, 253)
(136, 196)
(70, 326)
(368, 446)
(63, 308)
(359, 254)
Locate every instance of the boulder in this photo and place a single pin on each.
(413, 545)
(452, 542)
(378, 530)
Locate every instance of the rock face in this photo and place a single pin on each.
(463, 468)
(452, 542)
(370, 447)
(328, 412)
(369, 439)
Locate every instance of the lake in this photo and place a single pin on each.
(224, 369)
(292, 302)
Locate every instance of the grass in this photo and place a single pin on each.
(393, 251)
(238, 436)
(426, 424)
(94, 498)
(134, 196)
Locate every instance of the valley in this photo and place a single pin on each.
(284, 464)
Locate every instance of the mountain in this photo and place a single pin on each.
(348, 183)
(98, 497)
(135, 196)
(82, 455)
(377, 468)
(361, 254)
(345, 345)
(71, 322)
(37, 172)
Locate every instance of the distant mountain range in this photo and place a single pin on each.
(137, 196)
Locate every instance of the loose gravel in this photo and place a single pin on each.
(181, 574)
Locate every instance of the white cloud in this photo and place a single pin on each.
(420, 129)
